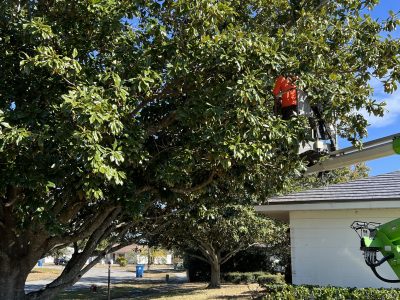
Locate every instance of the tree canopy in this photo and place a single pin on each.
(106, 105)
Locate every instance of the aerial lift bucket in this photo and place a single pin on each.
(383, 238)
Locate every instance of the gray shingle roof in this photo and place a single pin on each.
(382, 187)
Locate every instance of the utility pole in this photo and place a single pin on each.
(148, 257)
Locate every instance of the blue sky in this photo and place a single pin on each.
(390, 123)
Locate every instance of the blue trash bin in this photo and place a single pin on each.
(40, 263)
(139, 270)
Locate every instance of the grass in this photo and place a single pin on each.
(194, 291)
(152, 286)
(43, 273)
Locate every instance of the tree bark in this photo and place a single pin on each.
(18, 249)
(213, 257)
(13, 274)
(215, 281)
(12, 286)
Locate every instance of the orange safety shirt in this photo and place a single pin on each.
(288, 91)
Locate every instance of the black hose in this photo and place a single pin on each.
(381, 278)
(377, 264)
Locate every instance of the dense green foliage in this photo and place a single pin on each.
(288, 292)
(107, 104)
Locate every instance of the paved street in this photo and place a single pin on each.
(98, 276)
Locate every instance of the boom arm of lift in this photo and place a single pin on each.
(378, 148)
(375, 237)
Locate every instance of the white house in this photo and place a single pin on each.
(325, 250)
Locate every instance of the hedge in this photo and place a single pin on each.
(289, 292)
(252, 277)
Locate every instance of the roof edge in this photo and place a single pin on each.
(337, 205)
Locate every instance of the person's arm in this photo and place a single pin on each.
(278, 86)
(276, 91)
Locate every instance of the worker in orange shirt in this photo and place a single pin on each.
(285, 94)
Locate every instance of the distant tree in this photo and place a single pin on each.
(342, 175)
(217, 232)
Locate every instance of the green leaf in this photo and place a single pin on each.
(74, 53)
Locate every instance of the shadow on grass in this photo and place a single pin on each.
(244, 295)
(134, 292)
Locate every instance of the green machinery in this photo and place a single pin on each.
(383, 238)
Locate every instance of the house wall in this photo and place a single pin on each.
(325, 250)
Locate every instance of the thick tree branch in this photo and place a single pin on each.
(199, 257)
(234, 252)
(145, 189)
(109, 249)
(164, 122)
(85, 230)
(196, 187)
(70, 211)
(72, 272)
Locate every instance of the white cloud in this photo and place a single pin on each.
(392, 108)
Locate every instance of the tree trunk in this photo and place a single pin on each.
(215, 281)
(13, 274)
(12, 288)
(18, 254)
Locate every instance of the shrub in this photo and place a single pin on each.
(258, 274)
(290, 292)
(270, 279)
(250, 277)
(247, 277)
(122, 261)
(234, 277)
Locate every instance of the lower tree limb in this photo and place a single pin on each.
(75, 267)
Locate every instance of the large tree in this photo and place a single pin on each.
(105, 104)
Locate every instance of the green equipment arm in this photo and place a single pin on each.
(383, 238)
